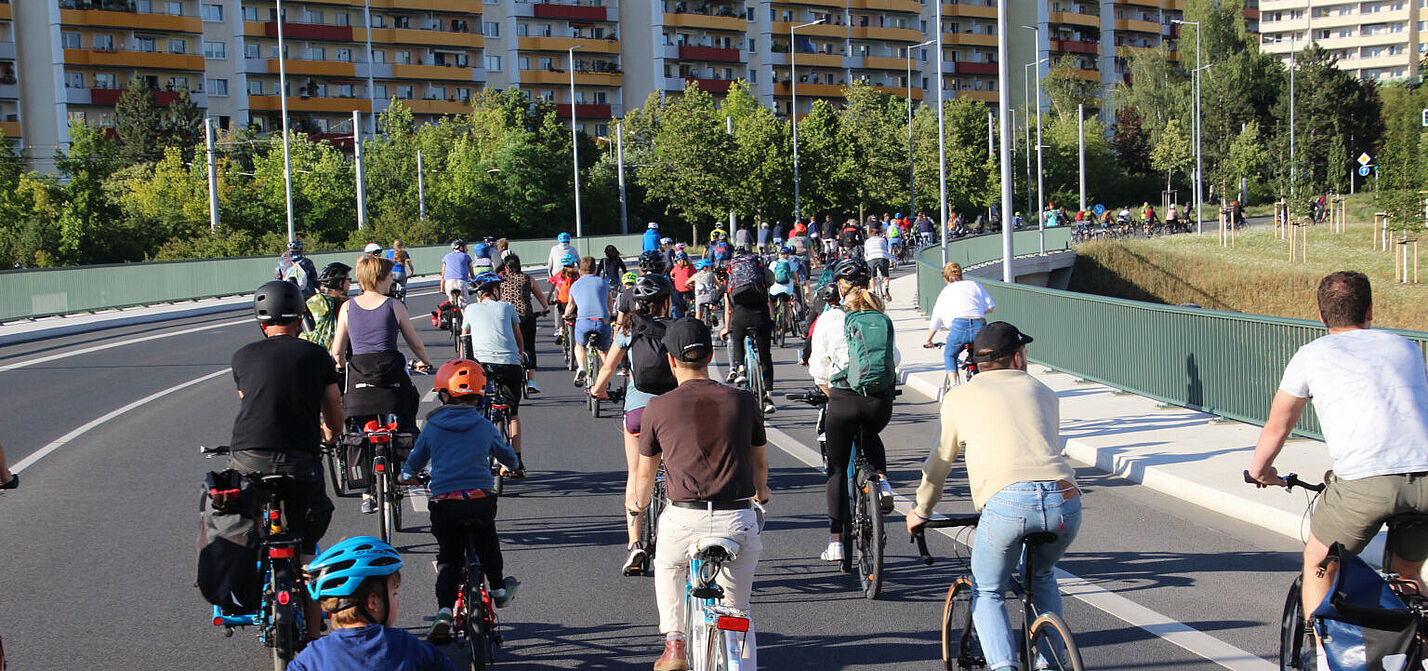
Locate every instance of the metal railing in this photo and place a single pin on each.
(1224, 363)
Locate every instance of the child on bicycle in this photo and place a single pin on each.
(356, 581)
(459, 443)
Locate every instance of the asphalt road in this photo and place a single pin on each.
(97, 549)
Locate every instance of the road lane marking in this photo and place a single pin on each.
(66, 438)
(1181, 635)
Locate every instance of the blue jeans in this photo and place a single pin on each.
(962, 331)
(584, 325)
(1019, 509)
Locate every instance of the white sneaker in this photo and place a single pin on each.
(833, 553)
(532, 386)
(885, 495)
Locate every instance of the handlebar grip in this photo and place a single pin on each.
(921, 537)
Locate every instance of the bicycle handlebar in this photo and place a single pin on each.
(1291, 481)
(933, 345)
(211, 452)
(920, 536)
(811, 397)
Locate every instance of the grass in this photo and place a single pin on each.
(1256, 276)
(1360, 207)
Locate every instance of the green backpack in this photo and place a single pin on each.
(870, 353)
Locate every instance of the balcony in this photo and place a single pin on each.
(5, 14)
(587, 45)
(687, 53)
(10, 91)
(7, 51)
(891, 34)
(10, 129)
(133, 59)
(437, 72)
(881, 63)
(977, 11)
(560, 77)
(970, 68)
(434, 106)
(584, 110)
(820, 30)
(984, 96)
(706, 21)
(100, 18)
(818, 90)
(809, 60)
(899, 91)
(887, 5)
(969, 39)
(309, 31)
(1075, 19)
(1141, 3)
(709, 85)
(1075, 46)
(312, 104)
(463, 6)
(1136, 25)
(162, 98)
(546, 10)
(319, 68)
(429, 38)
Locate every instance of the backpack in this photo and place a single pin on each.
(746, 281)
(650, 367)
(783, 272)
(228, 543)
(850, 237)
(870, 353)
(720, 251)
(295, 273)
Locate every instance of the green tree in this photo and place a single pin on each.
(763, 157)
(1172, 152)
(1067, 89)
(1131, 142)
(1402, 162)
(184, 126)
(139, 123)
(90, 228)
(822, 164)
(1158, 90)
(1245, 159)
(693, 157)
(872, 128)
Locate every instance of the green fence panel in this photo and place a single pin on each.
(978, 250)
(40, 292)
(1225, 363)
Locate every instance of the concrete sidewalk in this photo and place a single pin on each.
(1193, 456)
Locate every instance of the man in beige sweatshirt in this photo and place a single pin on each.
(1007, 422)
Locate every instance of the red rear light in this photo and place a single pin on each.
(217, 621)
(379, 467)
(731, 623)
(273, 514)
(380, 438)
(282, 553)
(285, 598)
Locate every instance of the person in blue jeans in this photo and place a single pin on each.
(961, 308)
(590, 308)
(1007, 424)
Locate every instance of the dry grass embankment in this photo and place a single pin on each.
(1255, 276)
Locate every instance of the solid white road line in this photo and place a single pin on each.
(1184, 636)
(66, 438)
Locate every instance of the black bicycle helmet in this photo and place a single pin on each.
(334, 274)
(651, 262)
(828, 293)
(295, 246)
(854, 271)
(652, 288)
(458, 243)
(278, 302)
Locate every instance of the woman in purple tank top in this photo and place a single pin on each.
(371, 321)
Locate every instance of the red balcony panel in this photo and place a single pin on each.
(583, 111)
(549, 11)
(709, 54)
(1075, 46)
(1251, 13)
(339, 140)
(309, 31)
(965, 68)
(105, 96)
(711, 85)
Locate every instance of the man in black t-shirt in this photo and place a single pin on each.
(748, 309)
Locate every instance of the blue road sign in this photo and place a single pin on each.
(1099, 209)
(1363, 171)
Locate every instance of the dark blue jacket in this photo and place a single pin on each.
(371, 648)
(458, 441)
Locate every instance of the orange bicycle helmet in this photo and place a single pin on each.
(461, 377)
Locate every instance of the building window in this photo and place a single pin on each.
(174, 8)
(344, 55)
(378, 21)
(344, 90)
(218, 87)
(463, 94)
(341, 19)
(74, 80)
(379, 57)
(546, 63)
(215, 50)
(753, 46)
(255, 87)
(525, 62)
(404, 57)
(251, 50)
(71, 41)
(104, 42)
(602, 129)
(250, 13)
(105, 80)
(490, 28)
(601, 98)
(381, 90)
(522, 30)
(317, 54)
(753, 76)
(316, 17)
(213, 12)
(404, 92)
(146, 44)
(493, 63)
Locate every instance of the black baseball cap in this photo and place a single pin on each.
(688, 340)
(997, 340)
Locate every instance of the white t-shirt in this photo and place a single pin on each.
(875, 247)
(1370, 389)
(963, 299)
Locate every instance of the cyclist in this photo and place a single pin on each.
(298, 269)
(762, 237)
(1172, 217)
(456, 271)
(321, 318)
(493, 328)
(485, 249)
(459, 442)
(711, 440)
(561, 281)
(590, 308)
(517, 288)
(402, 264)
(639, 340)
(650, 241)
(558, 251)
(827, 299)
(612, 266)
(746, 309)
(356, 581)
(285, 385)
(718, 252)
(786, 280)
(707, 289)
(680, 275)
(853, 414)
(879, 257)
(1370, 390)
(1007, 423)
(850, 238)
(895, 236)
(624, 301)
(961, 307)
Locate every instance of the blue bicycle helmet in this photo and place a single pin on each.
(569, 260)
(563, 237)
(487, 281)
(701, 264)
(341, 569)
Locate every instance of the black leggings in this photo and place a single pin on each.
(446, 518)
(528, 334)
(852, 416)
(740, 322)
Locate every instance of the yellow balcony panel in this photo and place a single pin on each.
(884, 63)
(431, 38)
(978, 11)
(133, 20)
(1088, 75)
(133, 59)
(1138, 26)
(322, 68)
(819, 60)
(900, 92)
(888, 5)
(564, 43)
(5, 14)
(551, 77)
(820, 30)
(837, 4)
(1141, 3)
(464, 6)
(705, 21)
(1076, 19)
(438, 106)
(255, 29)
(341, 105)
(819, 90)
(1175, 5)
(11, 129)
(895, 34)
(984, 96)
(439, 72)
(969, 39)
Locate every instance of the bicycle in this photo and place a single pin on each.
(384, 449)
(1047, 637)
(475, 615)
(753, 370)
(567, 343)
(864, 536)
(716, 632)
(496, 408)
(785, 318)
(965, 369)
(279, 618)
(454, 325)
(1297, 650)
(592, 370)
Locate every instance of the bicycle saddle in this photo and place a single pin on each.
(1039, 538)
(714, 547)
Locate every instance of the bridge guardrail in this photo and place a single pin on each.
(1225, 363)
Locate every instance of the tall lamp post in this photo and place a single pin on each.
(1199, 182)
(1026, 100)
(1004, 110)
(1040, 170)
(283, 97)
(911, 183)
(941, 141)
(793, 110)
(574, 141)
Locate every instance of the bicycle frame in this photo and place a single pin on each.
(708, 618)
(472, 577)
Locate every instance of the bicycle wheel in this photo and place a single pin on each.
(649, 530)
(694, 624)
(499, 481)
(384, 520)
(716, 652)
(781, 323)
(870, 539)
(1051, 641)
(960, 648)
(283, 619)
(456, 336)
(395, 503)
(478, 646)
(753, 369)
(1296, 642)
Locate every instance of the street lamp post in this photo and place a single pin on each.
(287, 154)
(574, 141)
(1040, 169)
(793, 109)
(620, 168)
(1003, 109)
(911, 183)
(1199, 181)
(941, 142)
(1026, 96)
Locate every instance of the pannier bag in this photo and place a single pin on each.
(228, 543)
(1361, 625)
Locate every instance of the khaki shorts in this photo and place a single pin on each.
(1351, 512)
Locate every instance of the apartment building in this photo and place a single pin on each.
(9, 84)
(1377, 40)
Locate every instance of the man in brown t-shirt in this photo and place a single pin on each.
(711, 439)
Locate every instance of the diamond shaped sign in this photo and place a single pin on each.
(1365, 159)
